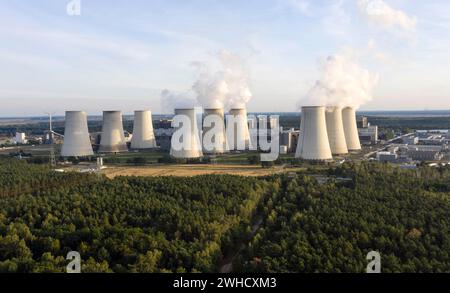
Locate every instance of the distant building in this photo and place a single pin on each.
(368, 135)
(410, 140)
(387, 157)
(289, 139)
(20, 138)
(362, 122)
(422, 154)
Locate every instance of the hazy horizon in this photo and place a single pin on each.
(122, 56)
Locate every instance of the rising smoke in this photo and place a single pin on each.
(221, 83)
(225, 84)
(171, 100)
(343, 82)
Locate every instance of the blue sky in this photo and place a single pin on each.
(122, 54)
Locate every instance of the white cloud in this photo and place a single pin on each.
(383, 15)
(302, 5)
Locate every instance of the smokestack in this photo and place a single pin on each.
(313, 142)
(335, 130)
(351, 129)
(143, 135)
(241, 133)
(113, 138)
(76, 135)
(192, 138)
(220, 141)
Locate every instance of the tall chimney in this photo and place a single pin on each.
(76, 135)
(313, 142)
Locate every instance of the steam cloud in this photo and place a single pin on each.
(343, 83)
(223, 87)
(383, 15)
(171, 100)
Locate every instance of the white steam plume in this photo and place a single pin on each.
(225, 86)
(171, 100)
(386, 17)
(342, 83)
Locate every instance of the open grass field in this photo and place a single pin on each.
(195, 170)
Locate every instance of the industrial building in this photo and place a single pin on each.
(313, 142)
(368, 135)
(20, 138)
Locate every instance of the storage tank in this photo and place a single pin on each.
(238, 133)
(335, 130)
(191, 138)
(77, 142)
(219, 141)
(143, 135)
(113, 138)
(313, 142)
(351, 129)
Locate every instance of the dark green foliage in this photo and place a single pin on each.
(122, 225)
(310, 227)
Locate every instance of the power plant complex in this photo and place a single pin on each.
(324, 133)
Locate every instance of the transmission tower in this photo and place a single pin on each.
(52, 159)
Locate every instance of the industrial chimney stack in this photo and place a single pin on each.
(113, 138)
(76, 135)
(143, 135)
(191, 138)
(238, 133)
(313, 142)
(351, 129)
(219, 141)
(335, 130)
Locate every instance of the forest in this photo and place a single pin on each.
(178, 224)
(309, 227)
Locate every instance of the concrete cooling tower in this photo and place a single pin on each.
(76, 136)
(219, 141)
(335, 130)
(238, 132)
(351, 129)
(313, 141)
(190, 138)
(113, 138)
(143, 135)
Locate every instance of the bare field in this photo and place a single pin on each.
(194, 170)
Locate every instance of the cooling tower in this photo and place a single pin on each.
(240, 130)
(350, 129)
(190, 138)
(113, 138)
(143, 135)
(313, 141)
(219, 142)
(76, 136)
(335, 130)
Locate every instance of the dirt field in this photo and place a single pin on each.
(193, 170)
